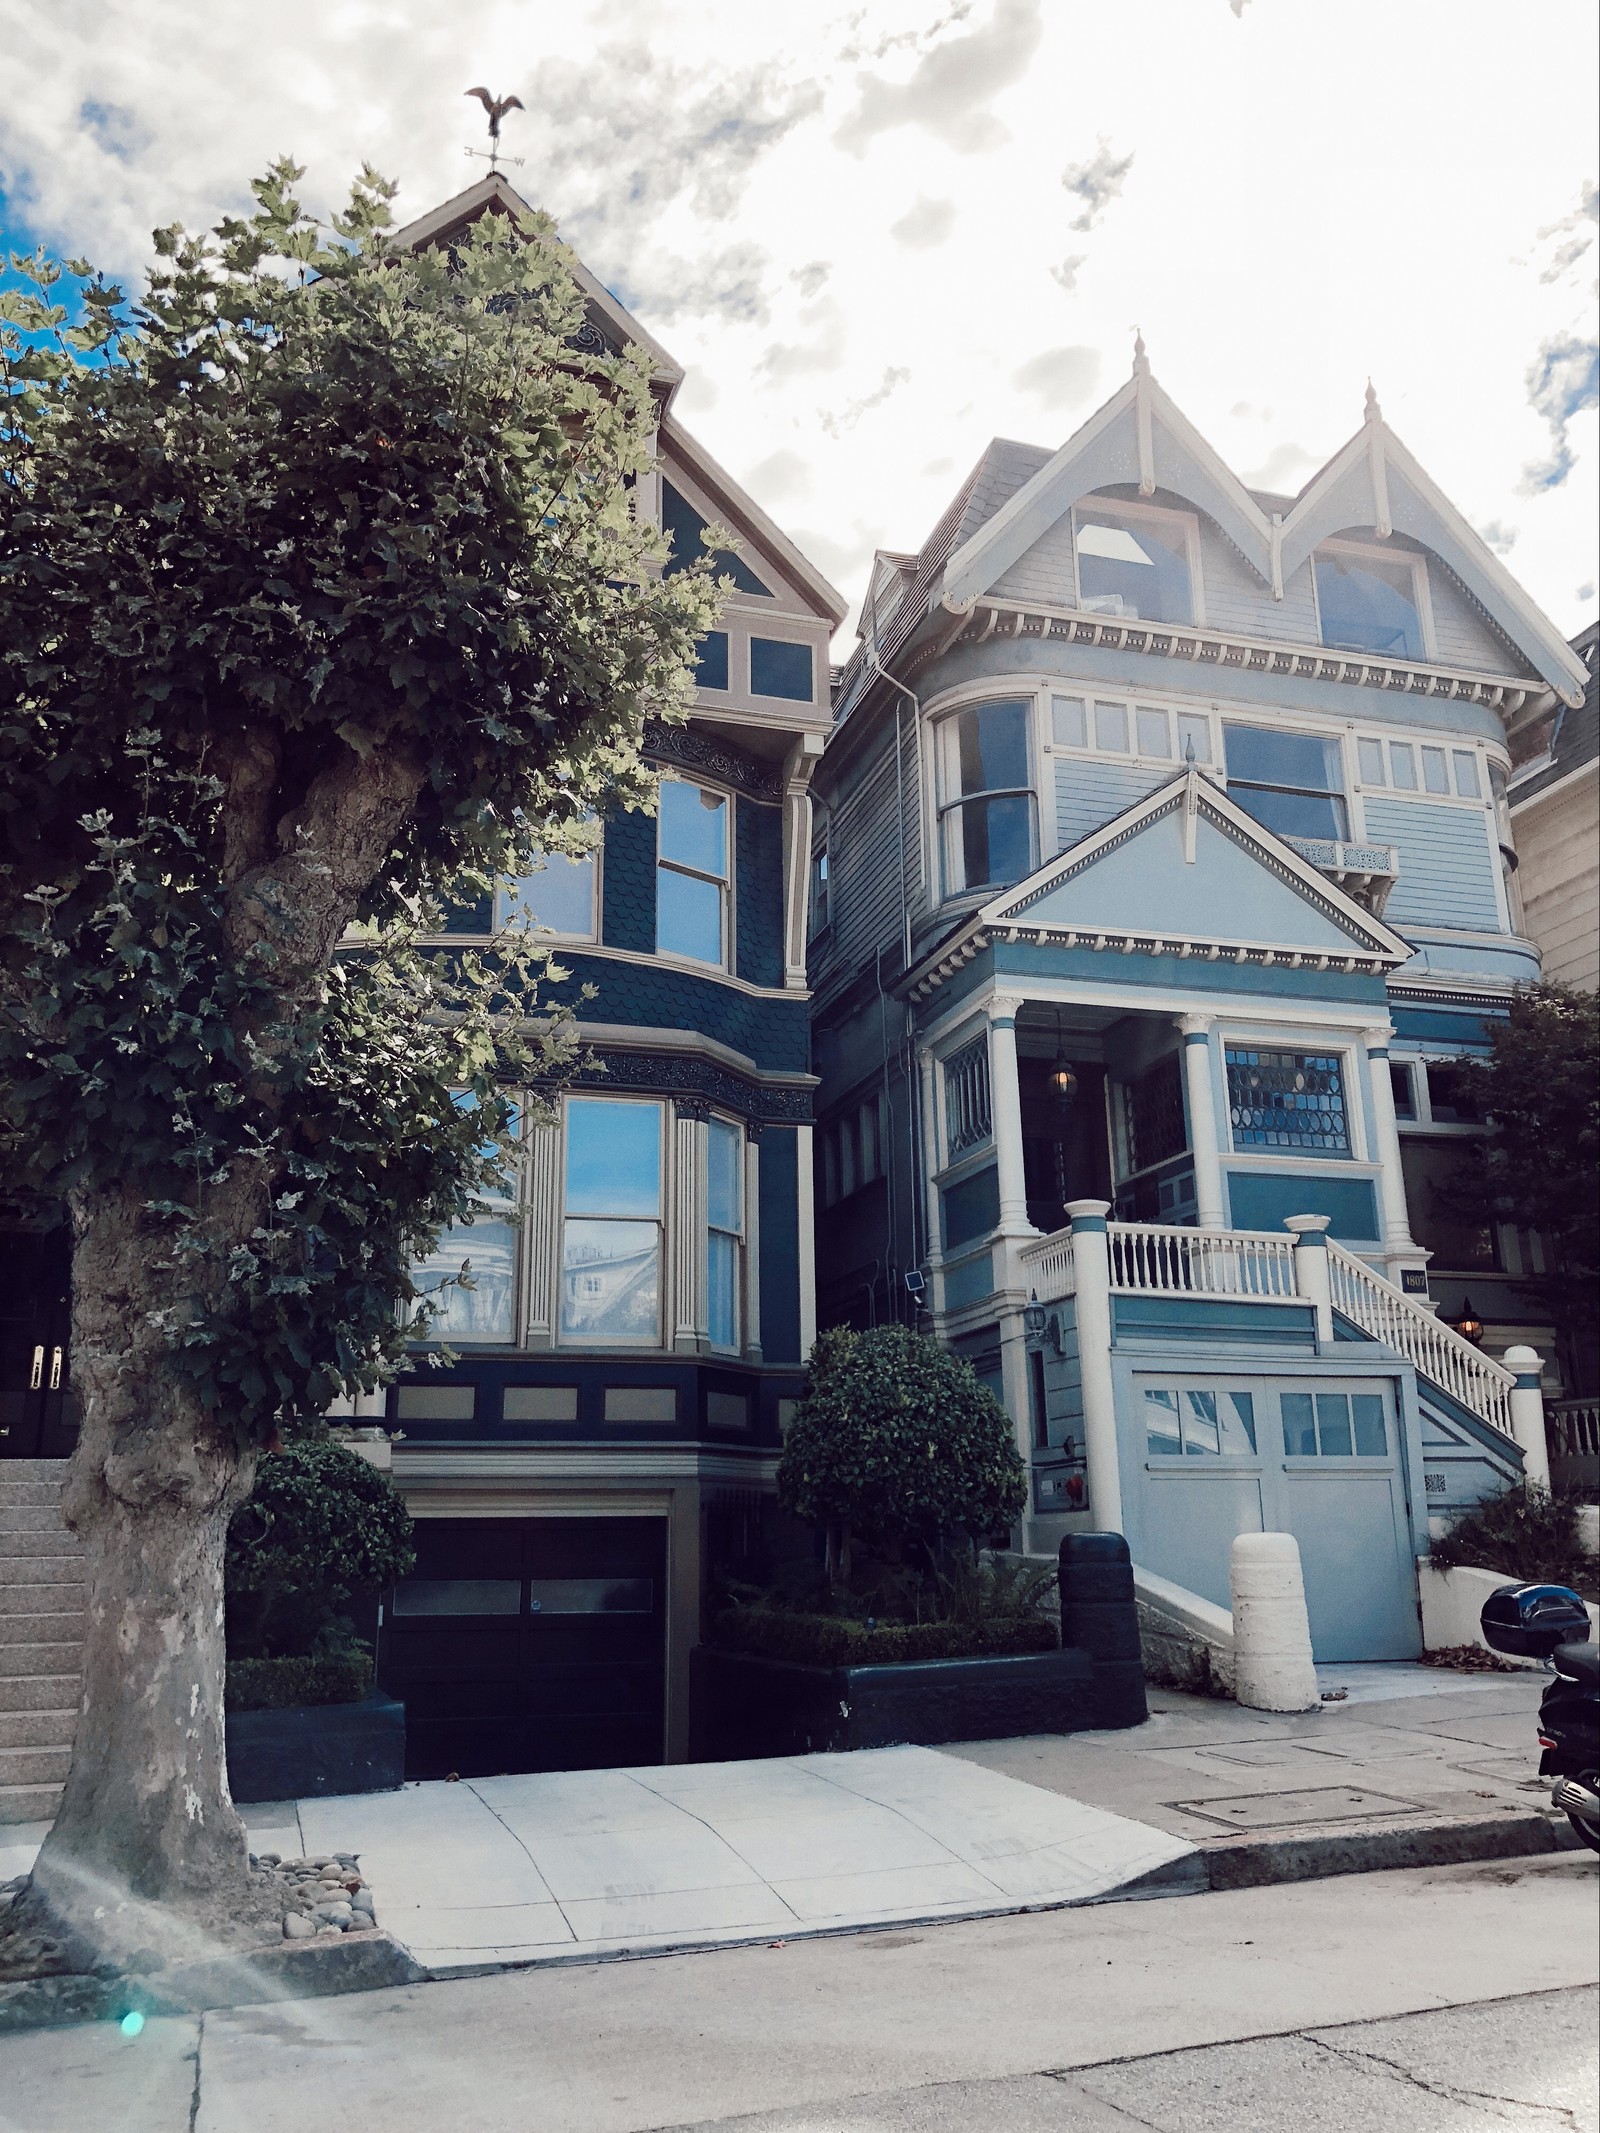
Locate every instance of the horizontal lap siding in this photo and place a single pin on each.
(1447, 864)
(1089, 794)
(1463, 636)
(1044, 573)
(865, 862)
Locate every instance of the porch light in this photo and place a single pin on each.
(1469, 1325)
(1062, 1083)
(1033, 1320)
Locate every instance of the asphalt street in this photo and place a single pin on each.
(1431, 1999)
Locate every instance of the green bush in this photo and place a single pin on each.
(835, 1640)
(1528, 1533)
(279, 1684)
(897, 1443)
(320, 1525)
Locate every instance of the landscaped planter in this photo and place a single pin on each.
(311, 1751)
(743, 1707)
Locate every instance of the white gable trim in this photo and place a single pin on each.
(1196, 795)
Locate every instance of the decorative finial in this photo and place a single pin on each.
(1374, 412)
(497, 107)
(1141, 362)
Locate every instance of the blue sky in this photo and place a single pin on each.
(880, 233)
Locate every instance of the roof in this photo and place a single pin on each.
(1575, 738)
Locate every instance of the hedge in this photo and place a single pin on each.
(280, 1684)
(832, 1640)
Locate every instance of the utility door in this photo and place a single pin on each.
(530, 1644)
(38, 1415)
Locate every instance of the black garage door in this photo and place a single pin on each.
(530, 1644)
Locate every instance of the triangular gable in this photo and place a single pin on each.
(1374, 481)
(1188, 871)
(745, 517)
(1140, 436)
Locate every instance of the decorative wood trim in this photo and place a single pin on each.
(687, 1076)
(723, 760)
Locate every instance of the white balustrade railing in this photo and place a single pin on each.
(1436, 1350)
(1048, 1266)
(1153, 1258)
(1574, 1428)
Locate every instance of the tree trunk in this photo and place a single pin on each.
(147, 1858)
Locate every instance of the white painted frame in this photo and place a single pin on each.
(941, 806)
(727, 884)
(1374, 552)
(1149, 514)
(666, 1221)
(1267, 1037)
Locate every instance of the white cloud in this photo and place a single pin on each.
(767, 187)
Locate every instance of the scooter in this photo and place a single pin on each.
(1550, 1622)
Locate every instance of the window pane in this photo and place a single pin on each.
(1369, 754)
(711, 660)
(611, 1279)
(1237, 1416)
(722, 1285)
(1372, 1439)
(1291, 814)
(613, 1157)
(1333, 1424)
(1368, 605)
(1155, 731)
(591, 1596)
(1161, 1423)
(1435, 777)
(1403, 765)
(483, 1312)
(1453, 1095)
(1299, 1426)
(1264, 755)
(1138, 570)
(1069, 725)
(1467, 775)
(458, 1596)
(1287, 1100)
(992, 747)
(688, 916)
(996, 844)
(724, 1193)
(1111, 728)
(778, 668)
(694, 827)
(1405, 1103)
(1200, 1423)
(687, 528)
(1195, 732)
(559, 897)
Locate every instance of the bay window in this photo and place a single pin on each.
(692, 873)
(987, 813)
(612, 1219)
(480, 1250)
(1291, 782)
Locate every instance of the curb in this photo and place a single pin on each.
(1359, 1848)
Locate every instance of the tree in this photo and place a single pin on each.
(897, 1442)
(319, 1525)
(1540, 1090)
(321, 597)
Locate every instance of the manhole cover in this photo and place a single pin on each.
(1283, 1810)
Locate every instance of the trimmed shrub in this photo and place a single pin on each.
(834, 1640)
(1526, 1533)
(281, 1684)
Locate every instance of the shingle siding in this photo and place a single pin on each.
(758, 892)
(629, 884)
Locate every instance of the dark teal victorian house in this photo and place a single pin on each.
(1162, 871)
(631, 1339)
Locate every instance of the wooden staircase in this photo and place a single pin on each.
(41, 1639)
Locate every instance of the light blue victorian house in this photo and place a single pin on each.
(1162, 869)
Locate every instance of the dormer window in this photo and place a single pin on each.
(1372, 602)
(1136, 564)
(986, 815)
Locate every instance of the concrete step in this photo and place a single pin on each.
(29, 1803)
(19, 1547)
(34, 1766)
(25, 1659)
(67, 1597)
(37, 1495)
(41, 1692)
(62, 1628)
(37, 1729)
(40, 1569)
(30, 1518)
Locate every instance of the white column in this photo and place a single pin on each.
(805, 1210)
(542, 1222)
(1527, 1414)
(1091, 1262)
(1200, 1080)
(688, 1229)
(752, 1242)
(801, 762)
(928, 1079)
(1311, 1278)
(1386, 1142)
(1005, 1110)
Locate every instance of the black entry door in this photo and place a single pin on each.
(38, 1416)
(530, 1644)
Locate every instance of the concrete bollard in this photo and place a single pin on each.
(1273, 1669)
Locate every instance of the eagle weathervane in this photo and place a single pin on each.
(497, 107)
